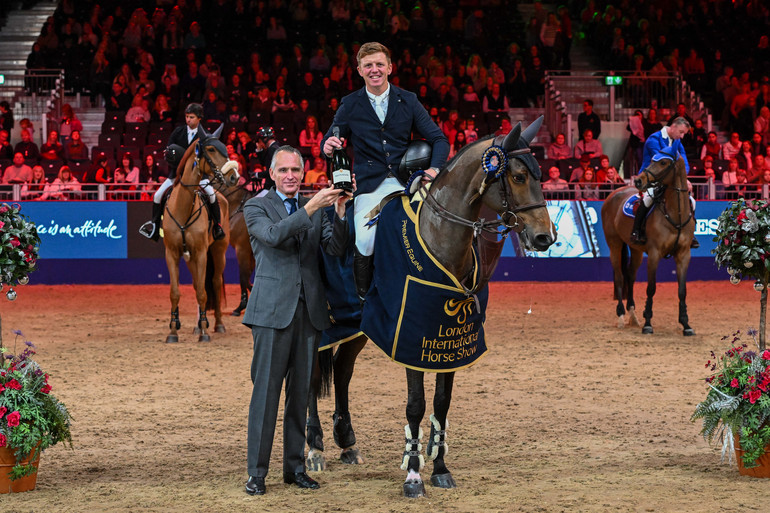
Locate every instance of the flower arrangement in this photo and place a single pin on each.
(19, 243)
(738, 400)
(31, 418)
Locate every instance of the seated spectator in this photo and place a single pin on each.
(604, 168)
(585, 164)
(470, 95)
(555, 183)
(161, 110)
(69, 123)
(150, 173)
(732, 147)
(246, 147)
(560, 149)
(310, 135)
(699, 136)
(651, 124)
(139, 111)
(758, 168)
(6, 116)
(65, 186)
(450, 125)
(75, 149)
(586, 188)
(27, 147)
(762, 124)
(35, 188)
(130, 171)
(746, 161)
(471, 135)
(588, 145)
(99, 172)
(712, 148)
(315, 153)
(283, 101)
(505, 127)
(730, 179)
(495, 100)
(6, 150)
(321, 183)
(757, 146)
(119, 185)
(764, 180)
(52, 149)
(18, 172)
(611, 182)
(318, 170)
(458, 143)
(120, 99)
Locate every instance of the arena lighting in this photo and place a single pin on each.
(613, 80)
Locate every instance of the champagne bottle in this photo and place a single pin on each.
(341, 177)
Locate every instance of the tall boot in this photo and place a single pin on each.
(151, 229)
(216, 221)
(363, 271)
(637, 235)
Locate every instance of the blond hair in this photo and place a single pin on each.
(372, 48)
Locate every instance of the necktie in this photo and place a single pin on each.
(378, 108)
(292, 203)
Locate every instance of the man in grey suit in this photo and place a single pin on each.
(287, 310)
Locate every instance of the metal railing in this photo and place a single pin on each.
(710, 189)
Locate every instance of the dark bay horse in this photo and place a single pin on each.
(449, 224)
(187, 233)
(670, 230)
(239, 240)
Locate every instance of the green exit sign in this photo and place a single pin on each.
(2, 79)
(613, 80)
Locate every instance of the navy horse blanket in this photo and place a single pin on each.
(416, 311)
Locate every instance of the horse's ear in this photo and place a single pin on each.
(218, 131)
(529, 134)
(509, 143)
(201, 132)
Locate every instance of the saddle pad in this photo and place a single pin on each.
(416, 311)
(629, 207)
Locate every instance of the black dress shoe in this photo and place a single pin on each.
(300, 479)
(255, 486)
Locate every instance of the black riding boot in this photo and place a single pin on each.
(363, 271)
(216, 221)
(151, 229)
(637, 235)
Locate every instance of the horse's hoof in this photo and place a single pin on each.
(237, 312)
(219, 328)
(351, 456)
(647, 330)
(689, 332)
(204, 338)
(172, 339)
(196, 331)
(414, 489)
(632, 318)
(443, 481)
(621, 321)
(315, 462)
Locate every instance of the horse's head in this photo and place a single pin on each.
(212, 160)
(659, 172)
(516, 194)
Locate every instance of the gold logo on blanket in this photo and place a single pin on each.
(461, 308)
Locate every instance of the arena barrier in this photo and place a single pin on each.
(99, 242)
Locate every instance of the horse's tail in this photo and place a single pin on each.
(209, 283)
(326, 366)
(625, 260)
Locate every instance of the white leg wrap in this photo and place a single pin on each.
(408, 452)
(435, 443)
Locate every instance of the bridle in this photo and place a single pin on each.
(216, 178)
(508, 218)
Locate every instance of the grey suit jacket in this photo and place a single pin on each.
(286, 250)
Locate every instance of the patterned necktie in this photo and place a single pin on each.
(378, 108)
(292, 202)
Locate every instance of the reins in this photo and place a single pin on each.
(679, 191)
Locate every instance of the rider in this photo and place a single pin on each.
(378, 120)
(266, 147)
(178, 142)
(668, 136)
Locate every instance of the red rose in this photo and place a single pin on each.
(3, 409)
(766, 355)
(13, 419)
(15, 242)
(1, 225)
(3, 441)
(754, 395)
(734, 383)
(2, 389)
(46, 389)
(13, 384)
(3, 209)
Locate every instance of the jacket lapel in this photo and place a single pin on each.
(276, 202)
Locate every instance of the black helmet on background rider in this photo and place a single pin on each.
(265, 132)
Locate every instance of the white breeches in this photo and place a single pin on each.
(205, 185)
(362, 205)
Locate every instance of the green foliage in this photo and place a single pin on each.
(31, 418)
(19, 243)
(738, 398)
(742, 237)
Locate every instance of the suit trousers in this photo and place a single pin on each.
(280, 354)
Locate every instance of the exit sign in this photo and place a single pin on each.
(2, 79)
(613, 80)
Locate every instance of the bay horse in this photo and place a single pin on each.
(239, 240)
(187, 233)
(449, 225)
(670, 230)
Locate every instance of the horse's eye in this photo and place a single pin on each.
(519, 178)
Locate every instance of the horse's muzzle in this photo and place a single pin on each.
(538, 242)
(638, 183)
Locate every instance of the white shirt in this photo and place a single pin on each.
(383, 98)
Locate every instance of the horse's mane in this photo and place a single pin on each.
(190, 149)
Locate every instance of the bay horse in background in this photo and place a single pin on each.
(670, 230)
(239, 240)
(449, 224)
(187, 230)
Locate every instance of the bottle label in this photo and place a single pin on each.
(341, 175)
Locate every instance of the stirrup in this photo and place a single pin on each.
(694, 244)
(149, 230)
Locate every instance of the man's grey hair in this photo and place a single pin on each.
(681, 121)
(289, 149)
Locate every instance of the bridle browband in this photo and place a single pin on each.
(482, 225)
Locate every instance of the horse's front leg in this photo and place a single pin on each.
(413, 461)
(682, 264)
(197, 266)
(172, 262)
(315, 460)
(344, 363)
(219, 249)
(437, 447)
(629, 275)
(652, 268)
